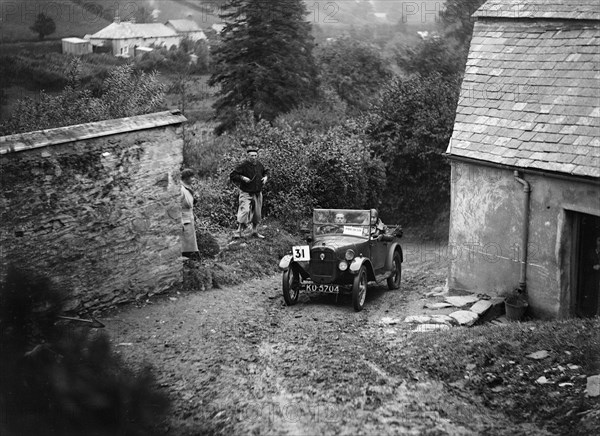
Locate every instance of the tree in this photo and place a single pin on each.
(433, 56)
(43, 25)
(264, 63)
(354, 69)
(410, 129)
(456, 19)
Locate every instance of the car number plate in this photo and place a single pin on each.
(327, 289)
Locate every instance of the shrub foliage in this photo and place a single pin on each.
(310, 169)
(123, 93)
(59, 379)
(410, 128)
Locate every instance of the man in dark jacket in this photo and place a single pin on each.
(250, 176)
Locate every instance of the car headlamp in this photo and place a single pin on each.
(343, 265)
(349, 255)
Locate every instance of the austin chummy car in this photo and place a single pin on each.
(346, 250)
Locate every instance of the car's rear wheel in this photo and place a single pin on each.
(393, 281)
(291, 286)
(359, 289)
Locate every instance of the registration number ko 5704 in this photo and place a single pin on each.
(327, 289)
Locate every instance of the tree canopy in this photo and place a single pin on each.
(353, 69)
(264, 63)
(43, 26)
(410, 128)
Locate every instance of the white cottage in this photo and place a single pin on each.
(124, 37)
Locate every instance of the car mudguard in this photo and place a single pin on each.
(360, 261)
(390, 256)
(285, 261)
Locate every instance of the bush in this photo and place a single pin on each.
(123, 93)
(308, 170)
(58, 379)
(410, 128)
(203, 151)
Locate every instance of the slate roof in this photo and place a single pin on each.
(530, 96)
(184, 25)
(128, 30)
(548, 9)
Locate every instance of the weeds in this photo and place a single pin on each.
(492, 362)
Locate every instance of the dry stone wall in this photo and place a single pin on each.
(95, 207)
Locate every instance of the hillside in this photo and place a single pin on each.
(81, 17)
(70, 19)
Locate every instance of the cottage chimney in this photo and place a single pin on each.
(117, 19)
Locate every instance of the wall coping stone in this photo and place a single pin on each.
(44, 138)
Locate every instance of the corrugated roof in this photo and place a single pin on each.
(75, 40)
(128, 30)
(530, 96)
(184, 25)
(547, 9)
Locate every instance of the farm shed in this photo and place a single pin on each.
(76, 46)
(525, 156)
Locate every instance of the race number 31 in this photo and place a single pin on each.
(301, 252)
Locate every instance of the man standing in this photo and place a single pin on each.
(249, 176)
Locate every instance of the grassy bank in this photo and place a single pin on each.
(491, 364)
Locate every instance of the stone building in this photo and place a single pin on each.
(525, 156)
(95, 207)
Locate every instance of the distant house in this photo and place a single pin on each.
(525, 156)
(187, 29)
(76, 46)
(125, 36)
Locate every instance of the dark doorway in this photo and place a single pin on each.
(587, 244)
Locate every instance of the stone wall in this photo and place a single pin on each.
(95, 207)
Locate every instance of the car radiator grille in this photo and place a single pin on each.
(322, 267)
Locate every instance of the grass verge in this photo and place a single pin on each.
(492, 363)
(227, 261)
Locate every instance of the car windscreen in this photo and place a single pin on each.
(341, 221)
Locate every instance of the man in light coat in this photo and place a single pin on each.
(189, 244)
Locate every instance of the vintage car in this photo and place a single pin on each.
(346, 251)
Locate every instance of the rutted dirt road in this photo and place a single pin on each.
(238, 361)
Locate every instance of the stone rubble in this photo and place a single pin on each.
(464, 317)
(593, 386)
(483, 308)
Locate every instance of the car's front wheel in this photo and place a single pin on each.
(291, 286)
(393, 281)
(359, 289)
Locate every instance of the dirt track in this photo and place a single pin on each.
(238, 361)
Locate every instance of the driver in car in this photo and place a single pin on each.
(338, 227)
(339, 220)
